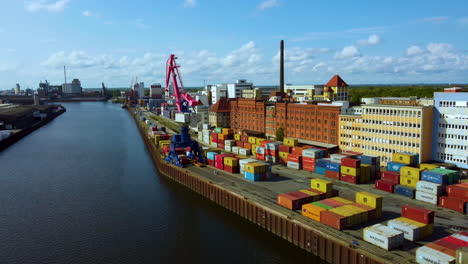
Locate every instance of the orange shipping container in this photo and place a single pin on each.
(295, 158)
(334, 220)
(297, 150)
(312, 211)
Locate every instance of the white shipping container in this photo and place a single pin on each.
(429, 187)
(214, 145)
(273, 145)
(200, 136)
(182, 117)
(461, 237)
(206, 141)
(410, 232)
(260, 150)
(206, 132)
(294, 165)
(427, 255)
(245, 152)
(235, 150)
(272, 159)
(311, 153)
(206, 126)
(228, 148)
(337, 157)
(426, 197)
(383, 236)
(230, 142)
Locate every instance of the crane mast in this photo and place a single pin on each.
(182, 99)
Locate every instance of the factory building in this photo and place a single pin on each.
(72, 89)
(304, 91)
(248, 114)
(234, 90)
(385, 129)
(156, 91)
(219, 113)
(450, 127)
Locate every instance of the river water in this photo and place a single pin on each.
(82, 189)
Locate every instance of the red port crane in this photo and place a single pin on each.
(183, 99)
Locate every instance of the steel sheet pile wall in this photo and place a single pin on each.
(331, 250)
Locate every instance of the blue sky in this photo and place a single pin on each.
(221, 41)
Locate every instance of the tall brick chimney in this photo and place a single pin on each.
(282, 66)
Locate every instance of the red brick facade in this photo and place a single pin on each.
(248, 114)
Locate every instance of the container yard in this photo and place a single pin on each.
(338, 206)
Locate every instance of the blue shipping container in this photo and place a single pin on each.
(321, 163)
(333, 166)
(395, 166)
(453, 178)
(369, 160)
(211, 155)
(320, 170)
(405, 191)
(320, 153)
(434, 177)
(252, 176)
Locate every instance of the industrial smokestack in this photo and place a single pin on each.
(282, 66)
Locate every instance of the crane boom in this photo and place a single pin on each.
(173, 76)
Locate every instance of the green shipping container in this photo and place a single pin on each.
(321, 205)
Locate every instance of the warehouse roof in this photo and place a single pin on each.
(222, 106)
(336, 81)
(13, 113)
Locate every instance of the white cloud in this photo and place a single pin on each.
(46, 5)
(300, 59)
(414, 50)
(371, 41)
(268, 4)
(348, 52)
(463, 21)
(437, 19)
(87, 13)
(190, 3)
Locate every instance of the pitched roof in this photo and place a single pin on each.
(336, 81)
(221, 106)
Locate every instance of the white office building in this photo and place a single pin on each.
(235, 89)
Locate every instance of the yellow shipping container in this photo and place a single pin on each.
(413, 173)
(425, 166)
(361, 213)
(283, 155)
(252, 140)
(321, 185)
(242, 157)
(254, 167)
(237, 137)
(157, 138)
(366, 172)
(342, 200)
(350, 171)
(312, 211)
(258, 141)
(408, 181)
(290, 142)
(227, 131)
(316, 196)
(254, 150)
(403, 158)
(369, 199)
(350, 215)
(230, 161)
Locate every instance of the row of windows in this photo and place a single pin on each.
(391, 133)
(350, 136)
(453, 126)
(453, 104)
(350, 128)
(392, 123)
(392, 142)
(450, 157)
(392, 112)
(452, 146)
(453, 116)
(462, 137)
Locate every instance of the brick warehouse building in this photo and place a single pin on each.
(304, 121)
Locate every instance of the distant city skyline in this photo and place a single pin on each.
(112, 42)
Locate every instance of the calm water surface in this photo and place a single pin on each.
(82, 189)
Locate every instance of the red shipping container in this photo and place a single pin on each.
(384, 186)
(349, 162)
(297, 150)
(260, 156)
(452, 203)
(354, 153)
(334, 220)
(371, 212)
(247, 145)
(295, 158)
(214, 139)
(441, 249)
(458, 190)
(245, 139)
(456, 241)
(180, 151)
(283, 161)
(332, 174)
(221, 145)
(390, 176)
(350, 179)
(270, 152)
(451, 247)
(231, 169)
(308, 167)
(332, 203)
(219, 160)
(294, 200)
(307, 160)
(417, 214)
(240, 144)
(264, 142)
(284, 148)
(211, 163)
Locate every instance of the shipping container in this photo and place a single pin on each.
(371, 212)
(333, 220)
(427, 197)
(245, 152)
(457, 239)
(426, 166)
(337, 157)
(384, 186)
(295, 158)
(366, 173)
(297, 150)
(435, 177)
(237, 137)
(231, 169)
(285, 148)
(453, 203)
(407, 181)
(294, 200)
(395, 166)
(369, 159)
(390, 176)
(419, 214)
(312, 211)
(333, 166)
(307, 160)
(405, 191)
(350, 179)
(254, 176)
(451, 248)
(442, 249)
(252, 140)
(294, 165)
(462, 255)
(316, 195)
(410, 172)
(290, 142)
(410, 232)
(312, 153)
(254, 167)
(308, 167)
(322, 162)
(342, 200)
(404, 158)
(321, 185)
(383, 236)
(427, 255)
(231, 161)
(430, 187)
(459, 191)
(349, 162)
(320, 170)
(350, 171)
(332, 175)
(283, 155)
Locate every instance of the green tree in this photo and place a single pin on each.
(280, 134)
